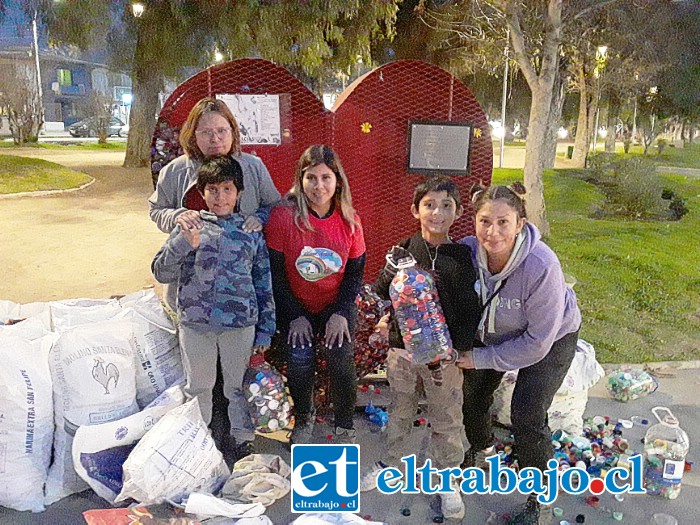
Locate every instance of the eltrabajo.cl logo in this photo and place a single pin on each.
(325, 478)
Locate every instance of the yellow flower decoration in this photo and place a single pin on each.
(477, 133)
(366, 127)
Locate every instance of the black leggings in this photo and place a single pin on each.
(301, 371)
(533, 394)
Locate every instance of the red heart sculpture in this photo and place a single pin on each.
(368, 127)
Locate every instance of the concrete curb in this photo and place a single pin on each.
(44, 193)
(654, 366)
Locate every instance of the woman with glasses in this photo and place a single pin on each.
(210, 130)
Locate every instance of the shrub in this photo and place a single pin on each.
(677, 207)
(631, 187)
(661, 145)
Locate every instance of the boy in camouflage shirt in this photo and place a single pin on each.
(224, 301)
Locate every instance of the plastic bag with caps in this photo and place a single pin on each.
(419, 315)
(266, 394)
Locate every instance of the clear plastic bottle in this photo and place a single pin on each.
(665, 447)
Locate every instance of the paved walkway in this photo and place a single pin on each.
(693, 173)
(100, 241)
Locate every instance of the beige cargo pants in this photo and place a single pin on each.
(444, 411)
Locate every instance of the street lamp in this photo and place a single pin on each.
(600, 57)
(137, 9)
(503, 102)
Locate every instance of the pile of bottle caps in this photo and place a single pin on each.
(420, 317)
(266, 394)
(370, 346)
(630, 383)
(656, 454)
(600, 448)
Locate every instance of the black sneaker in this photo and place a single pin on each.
(242, 450)
(303, 430)
(532, 514)
(477, 458)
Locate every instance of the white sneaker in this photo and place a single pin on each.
(345, 436)
(452, 504)
(368, 481)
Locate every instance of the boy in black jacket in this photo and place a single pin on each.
(436, 204)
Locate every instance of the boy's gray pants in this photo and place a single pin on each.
(199, 354)
(406, 382)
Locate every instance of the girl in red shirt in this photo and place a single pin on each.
(317, 255)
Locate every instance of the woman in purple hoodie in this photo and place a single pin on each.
(530, 322)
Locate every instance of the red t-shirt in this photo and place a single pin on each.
(314, 260)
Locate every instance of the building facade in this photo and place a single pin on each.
(69, 77)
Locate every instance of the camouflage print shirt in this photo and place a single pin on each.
(223, 284)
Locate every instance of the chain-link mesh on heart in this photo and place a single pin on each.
(368, 127)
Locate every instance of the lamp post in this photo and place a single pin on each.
(39, 91)
(601, 55)
(503, 102)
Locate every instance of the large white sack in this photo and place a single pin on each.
(37, 311)
(93, 373)
(8, 311)
(569, 403)
(75, 312)
(26, 421)
(99, 451)
(32, 328)
(158, 358)
(175, 458)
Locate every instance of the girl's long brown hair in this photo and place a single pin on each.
(342, 200)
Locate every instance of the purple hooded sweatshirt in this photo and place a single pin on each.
(533, 309)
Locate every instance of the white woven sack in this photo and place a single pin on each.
(94, 381)
(158, 358)
(175, 458)
(26, 421)
(99, 451)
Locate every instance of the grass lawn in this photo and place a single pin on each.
(19, 174)
(638, 283)
(71, 146)
(688, 157)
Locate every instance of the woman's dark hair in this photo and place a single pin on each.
(220, 169)
(315, 156)
(437, 183)
(188, 139)
(512, 195)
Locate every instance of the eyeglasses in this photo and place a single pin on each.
(210, 133)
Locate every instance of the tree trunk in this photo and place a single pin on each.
(613, 114)
(691, 132)
(582, 134)
(554, 121)
(541, 86)
(535, 150)
(147, 84)
(142, 122)
(683, 130)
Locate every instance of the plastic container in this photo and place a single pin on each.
(630, 384)
(665, 447)
(264, 389)
(419, 314)
(663, 519)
